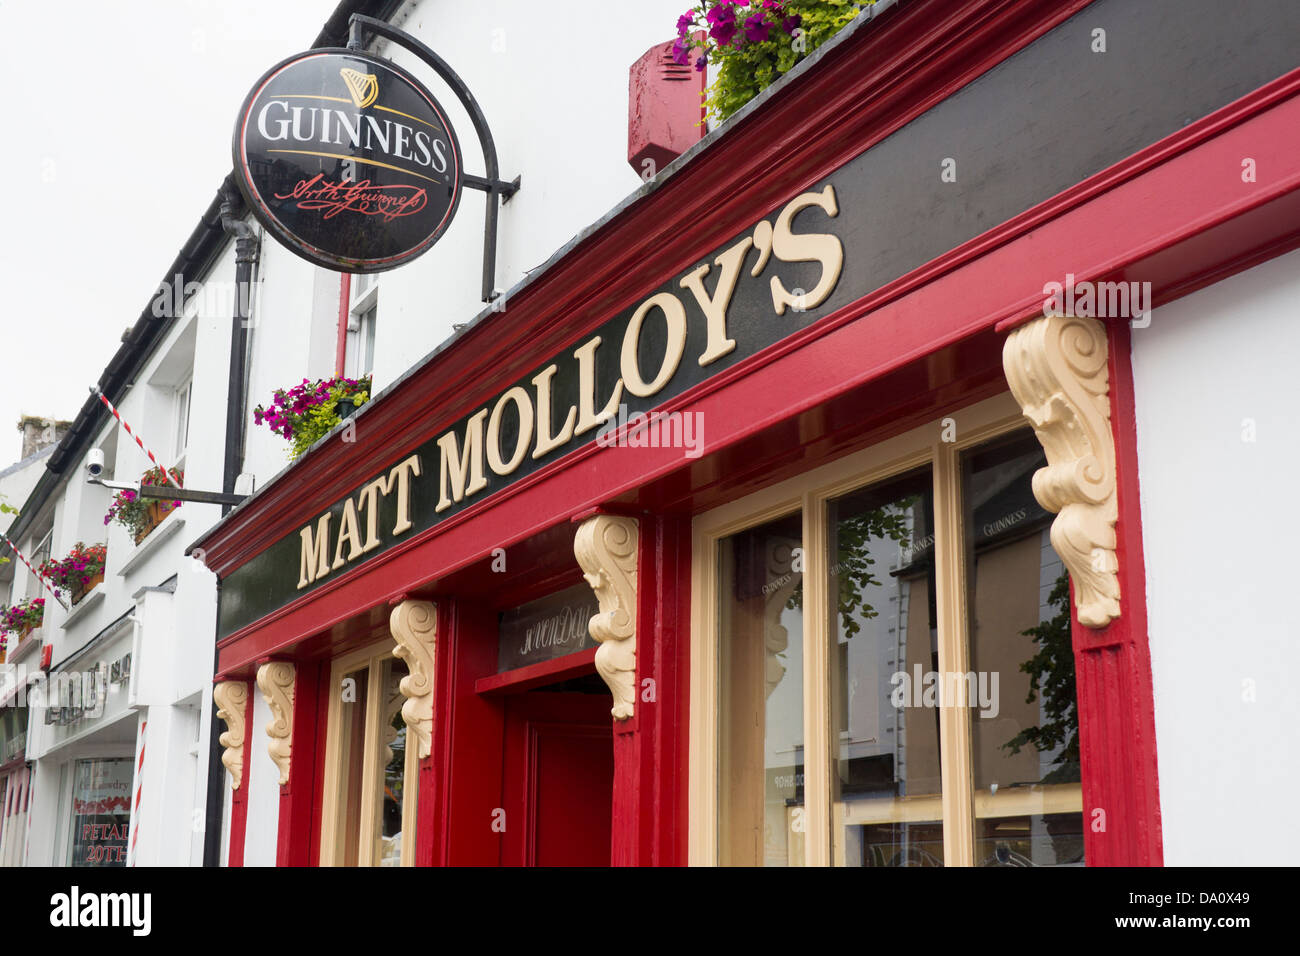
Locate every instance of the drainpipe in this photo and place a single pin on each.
(246, 259)
(247, 251)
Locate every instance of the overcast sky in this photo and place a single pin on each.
(117, 137)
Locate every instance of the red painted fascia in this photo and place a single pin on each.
(860, 92)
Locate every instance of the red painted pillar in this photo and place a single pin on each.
(239, 798)
(1117, 741)
(649, 824)
(299, 803)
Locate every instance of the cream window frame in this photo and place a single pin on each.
(811, 493)
(371, 658)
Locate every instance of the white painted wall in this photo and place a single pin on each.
(1219, 530)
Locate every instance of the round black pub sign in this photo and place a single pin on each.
(347, 160)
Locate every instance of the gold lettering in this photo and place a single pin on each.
(368, 500)
(675, 317)
(587, 415)
(809, 247)
(715, 306)
(546, 442)
(525, 405)
(401, 474)
(347, 533)
(314, 561)
(457, 469)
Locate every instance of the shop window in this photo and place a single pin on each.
(101, 812)
(882, 668)
(369, 809)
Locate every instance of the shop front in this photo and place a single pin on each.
(788, 515)
(84, 747)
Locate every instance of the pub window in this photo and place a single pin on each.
(882, 666)
(370, 772)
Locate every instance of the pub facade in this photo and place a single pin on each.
(856, 492)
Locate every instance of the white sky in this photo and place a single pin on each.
(117, 137)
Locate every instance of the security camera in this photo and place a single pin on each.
(95, 463)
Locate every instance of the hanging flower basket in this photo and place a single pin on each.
(309, 411)
(80, 572)
(140, 515)
(21, 619)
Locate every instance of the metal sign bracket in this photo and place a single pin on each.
(497, 190)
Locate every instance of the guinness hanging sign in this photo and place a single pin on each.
(347, 160)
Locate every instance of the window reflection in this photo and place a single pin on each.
(760, 782)
(886, 780)
(388, 842)
(1024, 729)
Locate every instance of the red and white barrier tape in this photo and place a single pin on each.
(139, 789)
(123, 422)
(42, 578)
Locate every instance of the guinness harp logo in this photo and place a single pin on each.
(362, 87)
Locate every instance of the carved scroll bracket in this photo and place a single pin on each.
(276, 681)
(1057, 369)
(231, 698)
(606, 547)
(414, 625)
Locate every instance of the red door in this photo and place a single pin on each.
(558, 780)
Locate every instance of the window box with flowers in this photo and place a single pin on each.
(79, 573)
(753, 43)
(140, 515)
(20, 619)
(311, 410)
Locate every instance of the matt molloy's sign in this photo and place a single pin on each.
(347, 160)
(607, 388)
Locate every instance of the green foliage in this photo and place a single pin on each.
(307, 412)
(744, 67)
(1051, 674)
(319, 420)
(854, 569)
(855, 563)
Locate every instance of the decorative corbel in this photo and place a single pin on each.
(231, 697)
(606, 547)
(1057, 369)
(276, 681)
(414, 626)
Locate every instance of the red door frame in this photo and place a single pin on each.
(1136, 221)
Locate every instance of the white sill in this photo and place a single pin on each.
(80, 609)
(168, 529)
